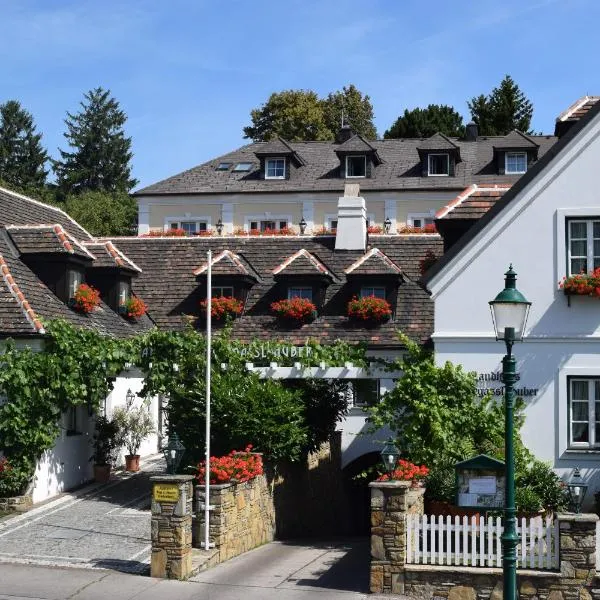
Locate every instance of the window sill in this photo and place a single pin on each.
(582, 451)
(438, 174)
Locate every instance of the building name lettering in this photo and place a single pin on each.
(486, 381)
(268, 351)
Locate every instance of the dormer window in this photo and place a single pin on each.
(275, 168)
(438, 165)
(368, 291)
(356, 166)
(515, 163)
(222, 291)
(300, 292)
(75, 279)
(124, 292)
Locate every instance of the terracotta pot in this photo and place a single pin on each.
(132, 462)
(102, 473)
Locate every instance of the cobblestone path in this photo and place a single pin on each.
(103, 527)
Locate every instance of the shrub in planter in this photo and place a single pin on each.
(369, 309)
(104, 445)
(133, 308)
(582, 284)
(238, 466)
(223, 307)
(300, 310)
(135, 425)
(86, 298)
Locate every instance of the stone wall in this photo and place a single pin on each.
(243, 516)
(16, 504)
(392, 501)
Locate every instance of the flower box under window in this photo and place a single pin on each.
(369, 309)
(223, 307)
(297, 310)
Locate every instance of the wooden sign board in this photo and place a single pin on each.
(166, 492)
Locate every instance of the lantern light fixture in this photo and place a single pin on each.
(387, 225)
(173, 453)
(219, 227)
(302, 225)
(129, 399)
(390, 455)
(577, 488)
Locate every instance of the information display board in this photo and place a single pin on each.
(480, 483)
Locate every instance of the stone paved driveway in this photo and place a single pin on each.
(104, 527)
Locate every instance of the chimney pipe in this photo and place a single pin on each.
(471, 132)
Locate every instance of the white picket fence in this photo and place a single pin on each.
(471, 542)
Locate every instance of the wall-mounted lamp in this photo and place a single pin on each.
(219, 227)
(302, 225)
(387, 225)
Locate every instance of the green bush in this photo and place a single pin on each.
(15, 477)
(527, 501)
(537, 478)
(440, 484)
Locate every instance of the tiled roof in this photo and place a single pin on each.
(301, 263)
(438, 141)
(578, 109)
(516, 139)
(472, 203)
(168, 286)
(355, 144)
(374, 262)
(226, 263)
(106, 254)
(400, 169)
(16, 209)
(46, 239)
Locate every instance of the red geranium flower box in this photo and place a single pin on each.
(369, 309)
(582, 284)
(406, 471)
(300, 310)
(133, 308)
(86, 298)
(238, 466)
(223, 307)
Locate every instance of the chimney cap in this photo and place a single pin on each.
(344, 134)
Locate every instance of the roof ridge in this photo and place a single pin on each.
(15, 290)
(37, 202)
(373, 252)
(302, 252)
(64, 237)
(580, 103)
(467, 193)
(232, 256)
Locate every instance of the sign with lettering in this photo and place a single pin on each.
(271, 352)
(491, 383)
(480, 483)
(166, 492)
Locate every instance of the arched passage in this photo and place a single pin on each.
(357, 492)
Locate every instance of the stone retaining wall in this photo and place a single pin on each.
(16, 504)
(392, 501)
(243, 516)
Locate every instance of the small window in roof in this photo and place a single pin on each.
(243, 166)
(223, 166)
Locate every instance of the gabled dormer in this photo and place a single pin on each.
(439, 156)
(278, 160)
(56, 257)
(514, 153)
(111, 273)
(357, 157)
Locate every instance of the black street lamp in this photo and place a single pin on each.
(302, 225)
(510, 310)
(389, 455)
(577, 489)
(173, 453)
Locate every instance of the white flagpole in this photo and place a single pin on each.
(207, 431)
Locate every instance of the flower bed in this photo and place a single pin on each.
(406, 471)
(223, 307)
(163, 233)
(86, 298)
(324, 231)
(284, 231)
(369, 309)
(300, 310)
(425, 229)
(133, 308)
(374, 229)
(582, 284)
(237, 466)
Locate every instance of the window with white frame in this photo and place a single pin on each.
(419, 219)
(365, 392)
(75, 279)
(222, 291)
(438, 165)
(583, 245)
(584, 412)
(368, 291)
(275, 168)
(190, 227)
(124, 292)
(515, 163)
(268, 225)
(356, 166)
(300, 292)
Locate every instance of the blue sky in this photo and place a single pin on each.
(187, 73)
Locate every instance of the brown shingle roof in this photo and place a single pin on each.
(106, 254)
(46, 239)
(374, 262)
(472, 203)
(301, 262)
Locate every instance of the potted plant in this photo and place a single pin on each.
(105, 443)
(582, 284)
(133, 308)
(369, 309)
(135, 424)
(299, 310)
(223, 307)
(85, 299)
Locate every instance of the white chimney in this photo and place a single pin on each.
(351, 231)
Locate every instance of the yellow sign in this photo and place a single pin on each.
(166, 492)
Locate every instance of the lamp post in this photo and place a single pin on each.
(389, 455)
(510, 310)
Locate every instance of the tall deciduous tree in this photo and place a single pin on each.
(424, 122)
(22, 157)
(295, 115)
(100, 154)
(505, 109)
(356, 109)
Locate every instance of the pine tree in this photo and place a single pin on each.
(101, 154)
(357, 112)
(505, 109)
(22, 157)
(425, 122)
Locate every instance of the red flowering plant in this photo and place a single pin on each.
(165, 233)
(223, 307)
(133, 308)
(4, 465)
(374, 229)
(86, 298)
(297, 309)
(325, 231)
(369, 309)
(582, 284)
(406, 471)
(237, 466)
(429, 228)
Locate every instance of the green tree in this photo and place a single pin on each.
(505, 109)
(22, 157)
(357, 111)
(103, 213)
(295, 115)
(100, 154)
(424, 122)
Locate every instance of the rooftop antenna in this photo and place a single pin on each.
(342, 117)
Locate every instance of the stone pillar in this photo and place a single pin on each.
(171, 526)
(577, 548)
(391, 501)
